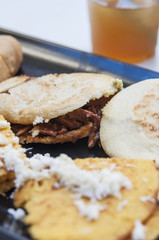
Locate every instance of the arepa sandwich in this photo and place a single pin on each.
(57, 108)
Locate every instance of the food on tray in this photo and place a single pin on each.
(8, 146)
(11, 56)
(152, 228)
(130, 122)
(90, 198)
(93, 198)
(12, 82)
(57, 108)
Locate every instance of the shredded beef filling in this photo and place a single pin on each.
(89, 114)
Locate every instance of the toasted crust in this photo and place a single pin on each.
(130, 126)
(52, 214)
(11, 53)
(54, 95)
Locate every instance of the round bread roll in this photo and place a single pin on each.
(11, 56)
(130, 122)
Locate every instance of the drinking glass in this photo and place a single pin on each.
(124, 29)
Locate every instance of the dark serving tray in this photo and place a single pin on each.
(41, 57)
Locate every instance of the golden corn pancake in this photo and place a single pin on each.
(152, 226)
(6, 137)
(52, 213)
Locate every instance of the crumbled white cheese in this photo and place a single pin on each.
(122, 204)
(12, 157)
(18, 214)
(130, 165)
(148, 199)
(57, 185)
(90, 210)
(96, 184)
(103, 163)
(38, 120)
(112, 167)
(15, 140)
(35, 133)
(87, 163)
(3, 139)
(46, 120)
(4, 124)
(145, 180)
(139, 230)
(91, 166)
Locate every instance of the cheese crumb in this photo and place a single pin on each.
(139, 230)
(3, 139)
(122, 204)
(46, 120)
(145, 180)
(18, 214)
(112, 167)
(90, 210)
(15, 140)
(35, 133)
(4, 124)
(38, 120)
(148, 199)
(130, 165)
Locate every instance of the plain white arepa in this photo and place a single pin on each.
(130, 122)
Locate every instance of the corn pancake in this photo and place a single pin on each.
(153, 226)
(52, 214)
(7, 177)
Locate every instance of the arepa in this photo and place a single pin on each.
(53, 213)
(130, 122)
(7, 141)
(57, 108)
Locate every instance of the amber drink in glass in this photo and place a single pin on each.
(123, 29)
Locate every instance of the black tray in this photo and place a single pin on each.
(41, 58)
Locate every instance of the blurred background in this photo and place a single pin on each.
(65, 22)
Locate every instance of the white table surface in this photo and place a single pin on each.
(64, 22)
